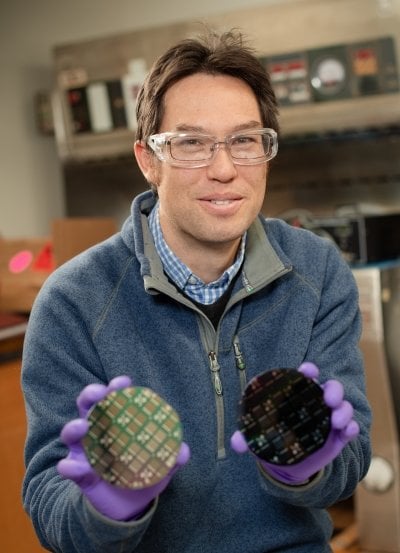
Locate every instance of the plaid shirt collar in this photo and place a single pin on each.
(181, 275)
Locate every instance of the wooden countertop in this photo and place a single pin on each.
(17, 534)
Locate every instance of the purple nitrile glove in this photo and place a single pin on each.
(114, 502)
(343, 429)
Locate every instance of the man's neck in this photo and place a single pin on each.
(207, 261)
(210, 265)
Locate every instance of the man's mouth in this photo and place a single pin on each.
(221, 202)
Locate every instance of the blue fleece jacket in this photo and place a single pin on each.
(112, 311)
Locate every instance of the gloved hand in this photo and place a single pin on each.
(343, 429)
(114, 502)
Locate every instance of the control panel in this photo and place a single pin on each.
(334, 72)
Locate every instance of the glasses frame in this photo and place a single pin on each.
(160, 144)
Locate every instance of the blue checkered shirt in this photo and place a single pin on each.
(181, 275)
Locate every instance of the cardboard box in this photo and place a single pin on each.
(26, 263)
(22, 271)
(75, 234)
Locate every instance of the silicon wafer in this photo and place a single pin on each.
(283, 416)
(134, 438)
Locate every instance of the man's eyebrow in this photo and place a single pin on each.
(249, 125)
(237, 128)
(189, 128)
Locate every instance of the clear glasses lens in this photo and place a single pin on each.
(191, 147)
(245, 148)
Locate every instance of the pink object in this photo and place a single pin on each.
(20, 261)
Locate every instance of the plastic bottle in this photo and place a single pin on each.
(99, 107)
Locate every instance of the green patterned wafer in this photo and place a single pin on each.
(134, 438)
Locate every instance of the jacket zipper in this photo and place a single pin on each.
(240, 363)
(215, 368)
(219, 401)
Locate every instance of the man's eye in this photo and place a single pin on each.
(244, 140)
(191, 142)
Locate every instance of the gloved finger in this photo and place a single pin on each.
(309, 369)
(238, 443)
(342, 415)
(118, 383)
(350, 431)
(182, 458)
(183, 455)
(75, 470)
(333, 393)
(73, 432)
(89, 396)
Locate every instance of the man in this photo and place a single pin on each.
(194, 297)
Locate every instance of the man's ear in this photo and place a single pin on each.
(146, 161)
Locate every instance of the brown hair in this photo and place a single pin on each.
(212, 53)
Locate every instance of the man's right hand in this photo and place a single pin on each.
(114, 502)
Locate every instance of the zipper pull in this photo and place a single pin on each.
(214, 366)
(240, 362)
(246, 283)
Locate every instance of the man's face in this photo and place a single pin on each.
(212, 206)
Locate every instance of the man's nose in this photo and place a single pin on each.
(222, 166)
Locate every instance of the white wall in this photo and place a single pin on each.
(31, 187)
